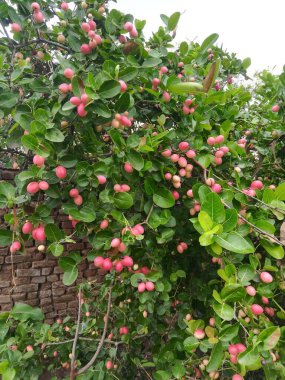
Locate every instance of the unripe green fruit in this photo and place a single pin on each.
(63, 23)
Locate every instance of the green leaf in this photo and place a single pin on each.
(123, 103)
(173, 21)
(109, 89)
(128, 73)
(208, 42)
(163, 198)
(214, 208)
(183, 48)
(274, 250)
(205, 221)
(246, 63)
(53, 232)
(9, 374)
(6, 237)
(269, 337)
(234, 242)
(216, 358)
(56, 249)
(151, 62)
(136, 160)
(86, 214)
(54, 135)
(123, 200)
(23, 312)
(224, 311)
(8, 100)
(162, 375)
(178, 370)
(231, 219)
(249, 358)
(245, 274)
(233, 293)
(229, 332)
(32, 143)
(117, 138)
(69, 267)
(190, 344)
(7, 190)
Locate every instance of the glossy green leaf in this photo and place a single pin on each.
(163, 198)
(214, 207)
(234, 242)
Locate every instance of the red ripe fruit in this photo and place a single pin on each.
(43, 185)
(15, 246)
(81, 110)
(233, 349)
(240, 347)
(60, 172)
(75, 100)
(68, 73)
(141, 287)
(119, 266)
(27, 228)
(33, 187)
(128, 167)
(38, 17)
(124, 330)
(109, 364)
(122, 247)
(184, 145)
(107, 264)
(64, 88)
(122, 39)
(149, 286)
(256, 309)
(233, 359)
(85, 49)
(39, 234)
(102, 179)
(78, 200)
(104, 224)
(98, 261)
(127, 261)
(256, 185)
(85, 27)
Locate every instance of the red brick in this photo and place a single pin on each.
(46, 301)
(32, 302)
(5, 299)
(19, 297)
(32, 295)
(73, 304)
(38, 280)
(52, 278)
(58, 291)
(16, 259)
(60, 306)
(44, 264)
(44, 293)
(28, 272)
(26, 288)
(46, 271)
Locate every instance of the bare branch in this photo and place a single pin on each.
(72, 368)
(43, 41)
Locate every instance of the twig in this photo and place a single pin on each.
(101, 342)
(42, 40)
(72, 369)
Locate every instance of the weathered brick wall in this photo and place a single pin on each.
(35, 277)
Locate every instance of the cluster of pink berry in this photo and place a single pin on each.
(38, 16)
(129, 27)
(95, 40)
(117, 265)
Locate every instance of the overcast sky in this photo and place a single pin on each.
(250, 28)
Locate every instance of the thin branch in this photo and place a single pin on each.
(101, 342)
(72, 368)
(43, 41)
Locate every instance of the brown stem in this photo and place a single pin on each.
(72, 368)
(101, 342)
(42, 40)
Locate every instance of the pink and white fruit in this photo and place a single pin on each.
(211, 141)
(128, 26)
(60, 172)
(128, 167)
(64, 6)
(85, 27)
(101, 179)
(166, 96)
(73, 193)
(85, 49)
(27, 228)
(68, 73)
(35, 6)
(123, 85)
(109, 364)
(64, 88)
(38, 160)
(124, 330)
(16, 28)
(275, 108)
(266, 277)
(183, 145)
(256, 185)
(98, 261)
(15, 246)
(257, 309)
(104, 224)
(33, 187)
(81, 110)
(149, 286)
(78, 200)
(251, 291)
(43, 185)
(38, 17)
(29, 348)
(199, 334)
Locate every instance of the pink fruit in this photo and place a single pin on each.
(85, 49)
(233, 349)
(15, 246)
(191, 153)
(85, 98)
(119, 267)
(29, 348)
(155, 82)
(98, 261)
(219, 154)
(78, 200)
(269, 311)
(85, 27)
(182, 162)
(212, 322)
(127, 261)
(166, 153)
(102, 179)
(266, 277)
(219, 139)
(64, 88)
(60, 172)
(174, 157)
(122, 247)
(92, 24)
(190, 193)
(183, 145)
(92, 44)
(38, 160)
(107, 264)
(256, 185)
(163, 70)
(122, 39)
(33, 187)
(75, 100)
(125, 121)
(123, 85)
(15, 28)
(233, 359)
(199, 334)
(180, 64)
(134, 33)
(38, 17)
(35, 6)
(43, 185)
(210, 182)
(117, 188)
(68, 73)
(149, 286)
(141, 287)
(184, 245)
(64, 6)
(240, 347)
(128, 167)
(166, 97)
(128, 26)
(104, 224)
(98, 39)
(168, 176)
(39, 234)
(236, 376)
(256, 309)
(124, 330)
(225, 149)
(109, 364)
(115, 242)
(125, 188)
(186, 110)
(175, 195)
(92, 34)
(275, 108)
(211, 141)
(265, 300)
(251, 291)
(73, 193)
(218, 160)
(216, 188)
(27, 228)
(81, 110)
(180, 249)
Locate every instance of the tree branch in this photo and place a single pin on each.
(72, 368)
(101, 342)
(43, 41)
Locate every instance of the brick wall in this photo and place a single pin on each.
(35, 277)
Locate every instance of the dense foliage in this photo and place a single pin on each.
(171, 161)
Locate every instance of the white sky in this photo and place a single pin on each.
(250, 28)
